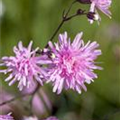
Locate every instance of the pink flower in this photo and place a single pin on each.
(6, 117)
(102, 5)
(51, 118)
(73, 63)
(25, 66)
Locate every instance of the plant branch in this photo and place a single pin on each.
(70, 8)
(13, 99)
(75, 15)
(64, 19)
(56, 31)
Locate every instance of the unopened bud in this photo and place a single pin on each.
(92, 16)
(80, 11)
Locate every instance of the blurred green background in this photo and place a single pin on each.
(37, 20)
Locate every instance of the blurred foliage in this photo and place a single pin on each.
(36, 20)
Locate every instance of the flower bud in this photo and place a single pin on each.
(92, 16)
(80, 11)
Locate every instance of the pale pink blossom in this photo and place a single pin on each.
(25, 66)
(73, 63)
(102, 5)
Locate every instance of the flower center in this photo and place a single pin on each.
(24, 66)
(68, 64)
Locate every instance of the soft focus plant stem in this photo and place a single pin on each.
(13, 99)
(64, 19)
(60, 25)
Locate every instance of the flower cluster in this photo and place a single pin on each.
(65, 64)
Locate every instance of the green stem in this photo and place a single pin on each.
(64, 19)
